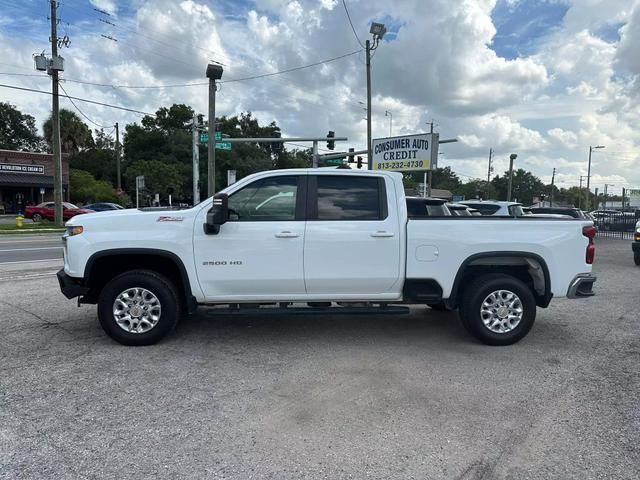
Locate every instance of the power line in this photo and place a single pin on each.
(288, 70)
(139, 112)
(351, 23)
(80, 111)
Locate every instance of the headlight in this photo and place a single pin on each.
(74, 230)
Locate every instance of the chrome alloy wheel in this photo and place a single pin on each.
(136, 310)
(501, 311)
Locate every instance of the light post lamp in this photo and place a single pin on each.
(512, 157)
(214, 72)
(377, 30)
(591, 149)
(387, 113)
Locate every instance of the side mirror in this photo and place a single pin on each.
(218, 214)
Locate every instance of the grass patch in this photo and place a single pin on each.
(30, 227)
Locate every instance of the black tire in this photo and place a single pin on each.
(636, 258)
(439, 307)
(37, 218)
(157, 285)
(474, 296)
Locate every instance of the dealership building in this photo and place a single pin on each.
(26, 178)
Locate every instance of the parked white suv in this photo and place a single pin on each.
(495, 208)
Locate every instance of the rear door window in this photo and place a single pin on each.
(350, 197)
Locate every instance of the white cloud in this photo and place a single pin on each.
(108, 6)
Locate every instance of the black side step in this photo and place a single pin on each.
(395, 310)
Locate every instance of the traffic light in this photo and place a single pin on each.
(359, 158)
(350, 156)
(331, 144)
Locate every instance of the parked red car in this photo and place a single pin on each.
(46, 210)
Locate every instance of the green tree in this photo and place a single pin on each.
(86, 189)
(159, 177)
(74, 133)
(476, 189)
(524, 187)
(18, 130)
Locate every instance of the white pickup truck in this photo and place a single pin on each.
(332, 240)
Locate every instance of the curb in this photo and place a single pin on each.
(31, 231)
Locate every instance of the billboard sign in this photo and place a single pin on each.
(406, 153)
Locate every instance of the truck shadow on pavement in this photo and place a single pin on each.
(421, 325)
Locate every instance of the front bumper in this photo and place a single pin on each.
(581, 286)
(69, 286)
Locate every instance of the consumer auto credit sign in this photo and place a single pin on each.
(411, 152)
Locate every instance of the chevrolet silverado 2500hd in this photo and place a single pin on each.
(324, 237)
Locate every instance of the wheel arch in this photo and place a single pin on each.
(527, 266)
(102, 266)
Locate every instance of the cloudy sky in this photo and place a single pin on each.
(541, 78)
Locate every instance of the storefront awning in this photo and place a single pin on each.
(25, 180)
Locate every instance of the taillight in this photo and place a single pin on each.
(590, 233)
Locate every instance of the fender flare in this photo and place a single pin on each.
(541, 300)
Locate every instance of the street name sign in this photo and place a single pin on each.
(204, 136)
(406, 153)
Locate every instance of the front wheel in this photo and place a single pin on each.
(498, 309)
(138, 307)
(636, 258)
(37, 218)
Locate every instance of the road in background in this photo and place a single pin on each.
(380, 397)
(28, 248)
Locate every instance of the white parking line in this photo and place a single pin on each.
(31, 248)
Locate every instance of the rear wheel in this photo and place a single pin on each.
(138, 307)
(498, 309)
(636, 258)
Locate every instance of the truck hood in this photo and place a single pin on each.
(141, 217)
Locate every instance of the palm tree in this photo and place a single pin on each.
(74, 133)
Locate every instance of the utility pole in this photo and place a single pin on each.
(489, 169)
(55, 120)
(195, 145)
(581, 191)
(387, 113)
(429, 174)
(553, 180)
(591, 149)
(119, 181)
(214, 72)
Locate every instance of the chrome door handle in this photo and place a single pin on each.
(287, 234)
(382, 234)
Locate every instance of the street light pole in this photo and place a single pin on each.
(214, 72)
(369, 151)
(587, 202)
(512, 157)
(377, 30)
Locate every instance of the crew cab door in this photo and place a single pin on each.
(352, 239)
(257, 255)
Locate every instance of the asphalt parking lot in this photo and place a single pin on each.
(332, 397)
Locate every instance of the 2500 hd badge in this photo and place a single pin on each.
(221, 263)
